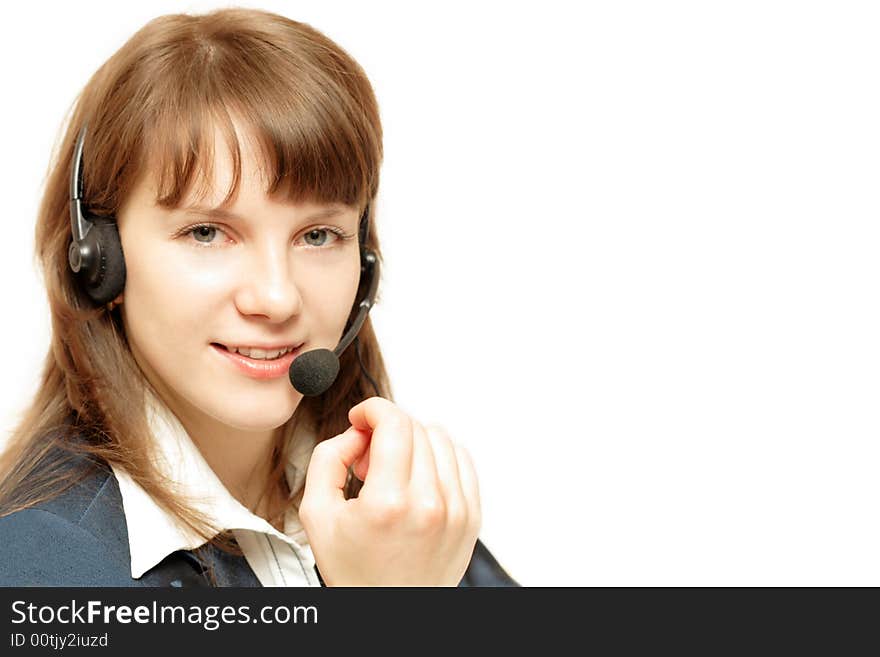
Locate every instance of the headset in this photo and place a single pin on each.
(97, 262)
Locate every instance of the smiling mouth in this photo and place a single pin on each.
(258, 368)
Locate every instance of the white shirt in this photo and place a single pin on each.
(277, 559)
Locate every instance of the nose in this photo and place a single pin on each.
(267, 286)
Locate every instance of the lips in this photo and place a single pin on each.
(254, 368)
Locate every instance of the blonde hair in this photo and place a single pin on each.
(153, 107)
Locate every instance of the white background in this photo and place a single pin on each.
(631, 264)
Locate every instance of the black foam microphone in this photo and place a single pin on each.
(314, 371)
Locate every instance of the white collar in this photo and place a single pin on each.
(153, 533)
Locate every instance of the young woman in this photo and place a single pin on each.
(206, 240)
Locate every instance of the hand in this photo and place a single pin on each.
(417, 517)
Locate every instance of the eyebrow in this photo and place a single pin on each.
(221, 213)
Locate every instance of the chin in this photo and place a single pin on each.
(265, 412)
(255, 423)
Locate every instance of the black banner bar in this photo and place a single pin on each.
(557, 619)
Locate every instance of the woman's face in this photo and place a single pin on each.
(275, 275)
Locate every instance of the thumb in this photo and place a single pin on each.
(328, 466)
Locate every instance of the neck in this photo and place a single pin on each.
(242, 460)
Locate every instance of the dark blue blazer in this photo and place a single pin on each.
(80, 538)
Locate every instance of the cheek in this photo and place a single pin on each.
(167, 280)
(329, 296)
(168, 303)
(176, 274)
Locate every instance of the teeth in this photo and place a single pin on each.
(260, 354)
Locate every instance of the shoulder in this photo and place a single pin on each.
(77, 538)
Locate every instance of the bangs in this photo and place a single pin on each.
(310, 132)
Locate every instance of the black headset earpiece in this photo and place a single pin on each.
(95, 254)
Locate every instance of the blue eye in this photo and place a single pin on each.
(203, 230)
(319, 234)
